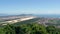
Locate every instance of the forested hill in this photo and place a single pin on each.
(31, 28)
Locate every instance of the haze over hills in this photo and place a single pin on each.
(38, 15)
(1, 14)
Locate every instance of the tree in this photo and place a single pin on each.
(9, 29)
(51, 30)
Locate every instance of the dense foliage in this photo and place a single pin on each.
(32, 28)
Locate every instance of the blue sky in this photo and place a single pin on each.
(30, 6)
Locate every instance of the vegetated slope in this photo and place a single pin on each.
(31, 28)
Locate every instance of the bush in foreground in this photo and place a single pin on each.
(32, 28)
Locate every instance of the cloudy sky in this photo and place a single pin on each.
(30, 6)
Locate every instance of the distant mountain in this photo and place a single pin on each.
(26, 14)
(3, 14)
(6, 15)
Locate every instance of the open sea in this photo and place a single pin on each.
(49, 16)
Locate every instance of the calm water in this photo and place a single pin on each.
(49, 16)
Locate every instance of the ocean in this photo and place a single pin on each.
(49, 16)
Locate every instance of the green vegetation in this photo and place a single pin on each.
(53, 22)
(31, 28)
